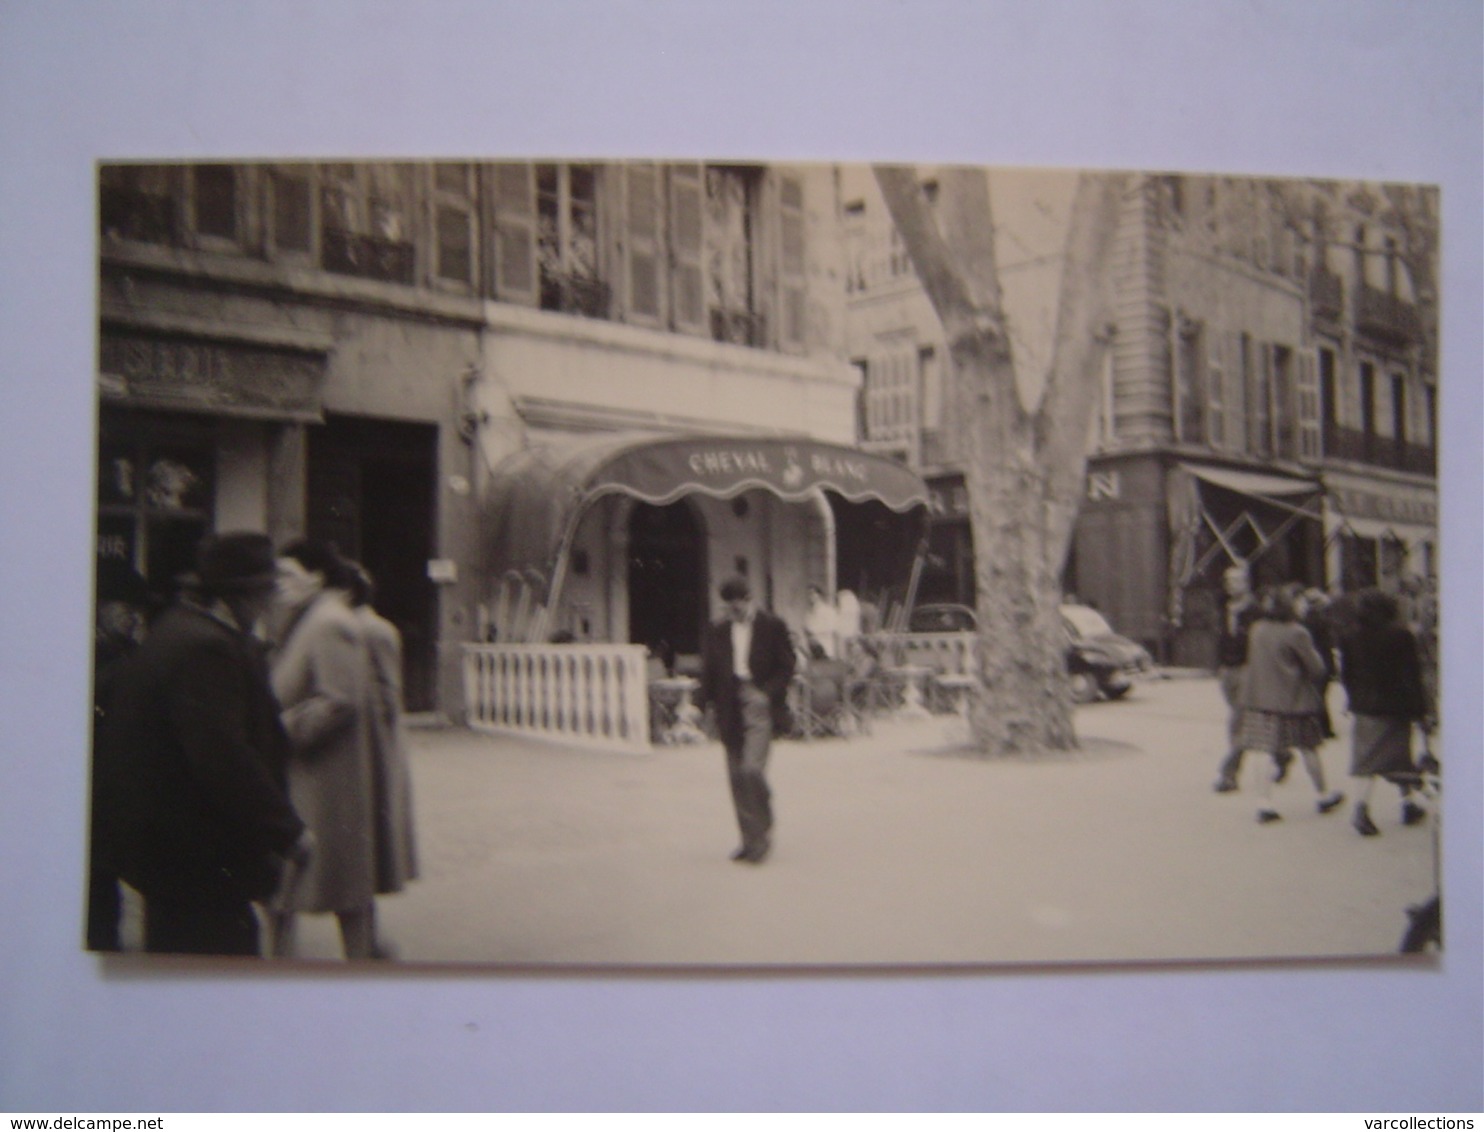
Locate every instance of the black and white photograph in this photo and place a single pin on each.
(711, 564)
(673, 556)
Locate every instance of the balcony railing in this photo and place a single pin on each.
(588, 695)
(129, 214)
(1385, 316)
(1383, 451)
(575, 294)
(739, 327)
(1326, 293)
(350, 253)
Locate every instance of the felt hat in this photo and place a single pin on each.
(236, 562)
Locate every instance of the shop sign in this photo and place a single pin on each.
(1103, 486)
(204, 376)
(667, 469)
(1357, 503)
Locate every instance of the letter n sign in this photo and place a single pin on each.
(1103, 486)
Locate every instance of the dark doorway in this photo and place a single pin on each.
(371, 490)
(874, 551)
(667, 578)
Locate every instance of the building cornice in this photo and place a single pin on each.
(276, 281)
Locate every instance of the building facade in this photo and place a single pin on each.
(356, 351)
(1269, 397)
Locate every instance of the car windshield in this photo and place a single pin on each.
(1086, 621)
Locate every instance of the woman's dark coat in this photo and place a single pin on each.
(1382, 672)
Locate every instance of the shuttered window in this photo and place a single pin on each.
(453, 223)
(791, 273)
(642, 241)
(214, 200)
(514, 196)
(1307, 401)
(291, 228)
(687, 244)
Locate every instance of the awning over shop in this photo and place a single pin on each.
(538, 494)
(1252, 483)
(1277, 503)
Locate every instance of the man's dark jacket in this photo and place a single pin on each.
(771, 662)
(192, 756)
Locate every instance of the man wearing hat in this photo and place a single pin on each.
(747, 663)
(192, 760)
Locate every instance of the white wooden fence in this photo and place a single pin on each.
(945, 654)
(592, 695)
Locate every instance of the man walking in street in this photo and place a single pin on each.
(747, 663)
(193, 756)
(1239, 612)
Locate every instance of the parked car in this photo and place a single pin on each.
(1100, 662)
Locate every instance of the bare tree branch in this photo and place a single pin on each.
(1084, 320)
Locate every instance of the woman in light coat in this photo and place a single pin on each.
(321, 675)
(396, 857)
(1281, 698)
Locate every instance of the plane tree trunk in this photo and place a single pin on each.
(1023, 470)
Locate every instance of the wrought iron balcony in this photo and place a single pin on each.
(130, 214)
(1326, 293)
(1383, 451)
(739, 327)
(1385, 316)
(350, 253)
(575, 294)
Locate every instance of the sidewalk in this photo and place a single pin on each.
(889, 851)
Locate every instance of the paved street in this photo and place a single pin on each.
(889, 850)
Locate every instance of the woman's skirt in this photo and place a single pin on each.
(1382, 745)
(1274, 731)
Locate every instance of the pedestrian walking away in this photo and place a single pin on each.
(747, 663)
(193, 761)
(1381, 670)
(1281, 698)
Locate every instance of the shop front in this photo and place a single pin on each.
(1378, 532)
(1219, 516)
(605, 553)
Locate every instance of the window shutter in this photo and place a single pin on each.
(791, 269)
(513, 191)
(1236, 394)
(291, 227)
(687, 241)
(1308, 405)
(453, 224)
(1215, 391)
(642, 241)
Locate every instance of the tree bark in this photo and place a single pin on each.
(1023, 472)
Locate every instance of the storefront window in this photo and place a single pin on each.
(154, 505)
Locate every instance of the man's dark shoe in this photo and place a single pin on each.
(1225, 785)
(1266, 817)
(1329, 802)
(753, 854)
(1362, 822)
(1412, 813)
